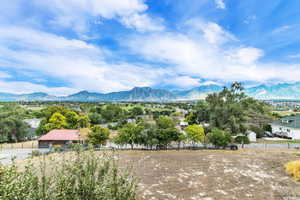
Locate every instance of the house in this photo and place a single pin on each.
(251, 136)
(183, 124)
(60, 137)
(288, 127)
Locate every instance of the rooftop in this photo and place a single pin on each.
(65, 135)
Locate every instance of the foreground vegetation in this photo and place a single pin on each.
(83, 176)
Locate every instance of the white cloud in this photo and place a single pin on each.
(76, 14)
(78, 64)
(196, 55)
(211, 32)
(294, 55)
(4, 75)
(281, 29)
(142, 22)
(183, 82)
(247, 55)
(24, 87)
(220, 4)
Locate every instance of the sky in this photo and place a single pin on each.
(65, 46)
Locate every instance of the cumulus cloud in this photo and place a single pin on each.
(201, 56)
(183, 81)
(24, 87)
(78, 64)
(77, 13)
(220, 4)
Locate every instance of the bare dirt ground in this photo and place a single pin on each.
(213, 175)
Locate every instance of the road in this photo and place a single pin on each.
(6, 155)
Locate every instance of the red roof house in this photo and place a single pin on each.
(59, 137)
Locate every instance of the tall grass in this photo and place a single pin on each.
(82, 176)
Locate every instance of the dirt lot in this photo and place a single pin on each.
(213, 175)
(255, 174)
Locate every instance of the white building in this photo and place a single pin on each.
(288, 127)
(251, 136)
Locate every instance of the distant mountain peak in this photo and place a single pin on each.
(263, 91)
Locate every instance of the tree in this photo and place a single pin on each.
(166, 131)
(130, 134)
(135, 111)
(72, 119)
(57, 121)
(113, 113)
(13, 129)
(199, 114)
(167, 135)
(95, 118)
(242, 139)
(83, 121)
(165, 122)
(98, 135)
(195, 133)
(232, 110)
(219, 138)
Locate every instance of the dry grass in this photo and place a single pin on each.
(207, 174)
(20, 145)
(293, 169)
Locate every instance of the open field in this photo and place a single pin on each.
(210, 174)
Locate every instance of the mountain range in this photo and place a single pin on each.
(265, 92)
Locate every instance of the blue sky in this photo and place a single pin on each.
(65, 46)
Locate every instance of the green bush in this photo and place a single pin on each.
(219, 138)
(242, 139)
(90, 176)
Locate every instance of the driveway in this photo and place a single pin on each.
(6, 155)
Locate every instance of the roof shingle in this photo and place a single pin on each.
(66, 135)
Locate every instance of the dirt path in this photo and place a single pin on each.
(213, 175)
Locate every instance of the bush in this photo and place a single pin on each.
(242, 139)
(293, 169)
(219, 138)
(88, 176)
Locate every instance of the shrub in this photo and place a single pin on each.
(88, 176)
(293, 169)
(242, 139)
(219, 138)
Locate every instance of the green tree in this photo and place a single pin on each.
(135, 111)
(56, 121)
(242, 139)
(13, 129)
(72, 119)
(113, 113)
(195, 133)
(165, 122)
(219, 138)
(95, 118)
(98, 135)
(130, 134)
(83, 121)
(232, 110)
